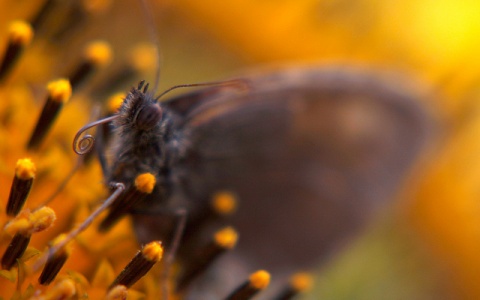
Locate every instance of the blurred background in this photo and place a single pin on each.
(427, 246)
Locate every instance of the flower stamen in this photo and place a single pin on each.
(223, 240)
(299, 283)
(143, 261)
(20, 35)
(118, 292)
(55, 262)
(97, 54)
(119, 188)
(59, 92)
(23, 226)
(256, 282)
(144, 185)
(22, 183)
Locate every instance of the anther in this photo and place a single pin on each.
(65, 289)
(143, 186)
(257, 282)
(140, 60)
(299, 283)
(222, 241)
(22, 227)
(55, 262)
(59, 92)
(42, 13)
(139, 265)
(96, 54)
(21, 185)
(119, 188)
(224, 203)
(19, 36)
(15, 250)
(118, 292)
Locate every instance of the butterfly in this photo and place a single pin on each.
(312, 153)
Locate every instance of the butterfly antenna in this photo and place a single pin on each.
(241, 84)
(153, 33)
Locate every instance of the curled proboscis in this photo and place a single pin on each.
(83, 145)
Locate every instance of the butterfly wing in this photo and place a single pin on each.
(311, 154)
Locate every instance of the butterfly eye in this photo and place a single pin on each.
(148, 116)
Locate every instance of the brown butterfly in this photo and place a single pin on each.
(312, 154)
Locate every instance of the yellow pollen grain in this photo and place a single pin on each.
(301, 281)
(59, 90)
(17, 225)
(119, 292)
(145, 182)
(260, 279)
(143, 57)
(25, 169)
(62, 290)
(20, 32)
(99, 53)
(224, 203)
(226, 238)
(42, 219)
(96, 6)
(59, 239)
(115, 102)
(153, 251)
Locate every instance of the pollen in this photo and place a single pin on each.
(224, 203)
(65, 289)
(301, 281)
(59, 90)
(20, 32)
(256, 282)
(139, 265)
(143, 57)
(145, 182)
(42, 219)
(59, 239)
(17, 225)
(22, 183)
(29, 223)
(153, 251)
(260, 279)
(25, 169)
(99, 53)
(23, 226)
(119, 292)
(226, 238)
